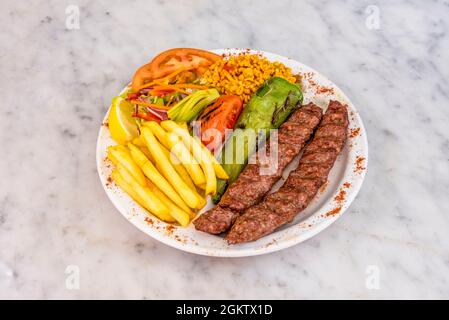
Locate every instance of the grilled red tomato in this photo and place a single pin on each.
(216, 118)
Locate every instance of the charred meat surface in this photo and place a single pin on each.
(302, 184)
(250, 187)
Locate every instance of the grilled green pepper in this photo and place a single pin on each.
(268, 108)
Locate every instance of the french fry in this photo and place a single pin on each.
(121, 155)
(219, 171)
(189, 196)
(111, 156)
(121, 147)
(118, 179)
(198, 154)
(176, 164)
(154, 176)
(177, 213)
(138, 156)
(183, 125)
(147, 153)
(201, 202)
(192, 166)
(139, 142)
(179, 168)
(182, 173)
(179, 150)
(149, 199)
(186, 178)
(158, 132)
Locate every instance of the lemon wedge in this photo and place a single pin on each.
(122, 125)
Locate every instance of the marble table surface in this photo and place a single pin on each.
(60, 237)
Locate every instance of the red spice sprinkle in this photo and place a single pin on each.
(312, 83)
(359, 164)
(333, 212)
(320, 89)
(308, 75)
(107, 162)
(346, 185)
(340, 196)
(170, 229)
(149, 221)
(354, 132)
(106, 124)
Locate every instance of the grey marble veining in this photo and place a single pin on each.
(57, 84)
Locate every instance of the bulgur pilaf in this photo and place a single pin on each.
(243, 74)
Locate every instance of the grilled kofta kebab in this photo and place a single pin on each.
(250, 187)
(302, 184)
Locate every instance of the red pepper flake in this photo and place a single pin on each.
(346, 185)
(359, 164)
(170, 229)
(354, 132)
(352, 115)
(107, 162)
(179, 239)
(108, 181)
(324, 90)
(312, 83)
(149, 221)
(340, 196)
(333, 212)
(308, 76)
(318, 89)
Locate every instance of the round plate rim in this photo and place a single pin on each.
(230, 252)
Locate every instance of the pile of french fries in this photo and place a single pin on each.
(167, 171)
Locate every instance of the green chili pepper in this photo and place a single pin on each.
(268, 108)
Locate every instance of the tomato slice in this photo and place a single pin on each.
(216, 118)
(167, 62)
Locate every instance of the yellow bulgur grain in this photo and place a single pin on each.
(243, 74)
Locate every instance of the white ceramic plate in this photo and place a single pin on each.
(333, 199)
